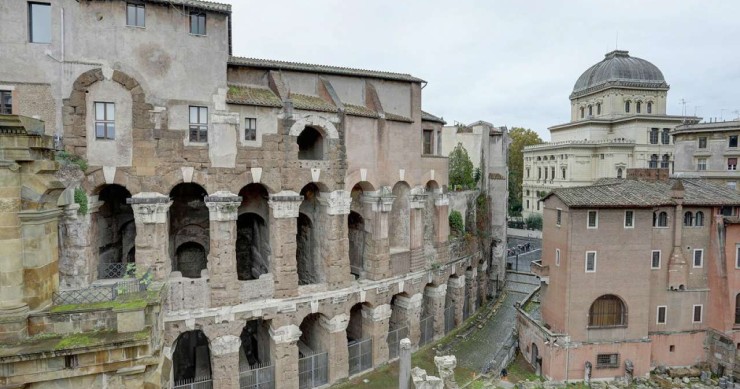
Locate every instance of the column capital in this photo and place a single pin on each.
(381, 312)
(441, 200)
(285, 334)
(337, 202)
(381, 200)
(150, 207)
(409, 302)
(436, 291)
(417, 198)
(285, 204)
(335, 324)
(227, 344)
(223, 206)
(456, 282)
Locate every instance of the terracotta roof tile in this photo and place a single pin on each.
(359, 110)
(311, 103)
(252, 96)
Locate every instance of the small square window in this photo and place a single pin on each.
(629, 219)
(105, 120)
(199, 124)
(697, 315)
(135, 15)
(733, 141)
(559, 217)
(655, 259)
(607, 361)
(557, 257)
(593, 219)
(672, 348)
(70, 362)
(590, 261)
(198, 23)
(6, 102)
(250, 129)
(661, 316)
(732, 185)
(39, 22)
(698, 258)
(731, 163)
(703, 142)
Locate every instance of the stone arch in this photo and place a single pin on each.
(312, 340)
(116, 231)
(255, 344)
(191, 356)
(189, 225)
(399, 223)
(309, 235)
(311, 144)
(358, 238)
(608, 310)
(324, 126)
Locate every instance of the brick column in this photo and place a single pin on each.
(334, 340)
(152, 241)
(456, 296)
(375, 324)
(441, 218)
(377, 205)
(411, 311)
(334, 248)
(471, 284)
(225, 361)
(434, 300)
(222, 276)
(284, 354)
(283, 218)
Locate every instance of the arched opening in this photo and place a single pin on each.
(310, 341)
(308, 237)
(191, 359)
(649, 107)
(638, 107)
(255, 349)
(252, 234)
(688, 219)
(619, 173)
(535, 354)
(660, 219)
(653, 161)
(607, 311)
(627, 106)
(357, 238)
(310, 144)
(400, 221)
(397, 325)
(699, 219)
(116, 232)
(426, 324)
(359, 342)
(189, 229)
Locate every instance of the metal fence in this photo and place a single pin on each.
(360, 355)
(466, 306)
(313, 370)
(260, 376)
(427, 330)
(449, 318)
(107, 271)
(98, 293)
(394, 341)
(194, 383)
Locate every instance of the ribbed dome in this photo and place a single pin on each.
(618, 68)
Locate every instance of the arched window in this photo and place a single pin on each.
(653, 161)
(666, 138)
(590, 110)
(660, 219)
(310, 144)
(638, 107)
(665, 161)
(598, 109)
(653, 136)
(688, 219)
(608, 310)
(619, 173)
(582, 110)
(699, 219)
(627, 106)
(649, 107)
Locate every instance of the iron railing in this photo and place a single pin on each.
(427, 330)
(449, 318)
(394, 341)
(194, 383)
(360, 355)
(259, 376)
(98, 293)
(313, 370)
(107, 271)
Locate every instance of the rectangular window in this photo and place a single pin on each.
(701, 164)
(428, 141)
(607, 361)
(559, 217)
(39, 22)
(538, 205)
(661, 315)
(527, 204)
(6, 102)
(737, 256)
(653, 136)
(71, 362)
(527, 172)
(593, 219)
(590, 261)
(697, 314)
(703, 142)
(539, 173)
(199, 124)
(629, 219)
(546, 174)
(557, 257)
(666, 136)
(733, 141)
(105, 120)
(731, 163)
(563, 173)
(655, 260)
(197, 23)
(698, 257)
(250, 128)
(135, 15)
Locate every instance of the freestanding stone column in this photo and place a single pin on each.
(375, 324)
(335, 245)
(225, 361)
(411, 310)
(456, 296)
(284, 208)
(404, 364)
(377, 206)
(471, 286)
(152, 232)
(334, 340)
(434, 297)
(222, 275)
(284, 353)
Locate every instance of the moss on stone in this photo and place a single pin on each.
(75, 341)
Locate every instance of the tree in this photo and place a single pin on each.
(461, 168)
(520, 137)
(534, 222)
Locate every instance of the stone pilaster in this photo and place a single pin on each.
(441, 218)
(152, 242)
(284, 208)
(225, 361)
(334, 340)
(417, 203)
(375, 325)
(377, 206)
(411, 311)
(11, 244)
(222, 275)
(471, 286)
(39, 229)
(456, 297)
(284, 352)
(334, 248)
(434, 300)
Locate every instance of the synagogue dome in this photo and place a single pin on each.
(619, 69)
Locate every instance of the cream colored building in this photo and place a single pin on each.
(618, 121)
(708, 150)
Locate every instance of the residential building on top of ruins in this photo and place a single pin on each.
(618, 121)
(708, 150)
(636, 273)
(175, 214)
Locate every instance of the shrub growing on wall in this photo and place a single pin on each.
(81, 199)
(456, 222)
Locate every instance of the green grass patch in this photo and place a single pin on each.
(75, 341)
(127, 302)
(521, 370)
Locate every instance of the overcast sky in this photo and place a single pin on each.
(513, 62)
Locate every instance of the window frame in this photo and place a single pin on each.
(730, 165)
(627, 106)
(737, 255)
(137, 6)
(558, 217)
(598, 108)
(656, 219)
(593, 270)
(693, 313)
(198, 126)
(638, 107)
(701, 259)
(652, 259)
(250, 130)
(198, 14)
(105, 121)
(702, 142)
(665, 314)
(30, 21)
(732, 139)
(699, 219)
(654, 136)
(649, 107)
(665, 136)
(3, 106)
(588, 220)
(557, 257)
(424, 133)
(701, 164)
(611, 364)
(632, 218)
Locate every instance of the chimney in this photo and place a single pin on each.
(677, 266)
